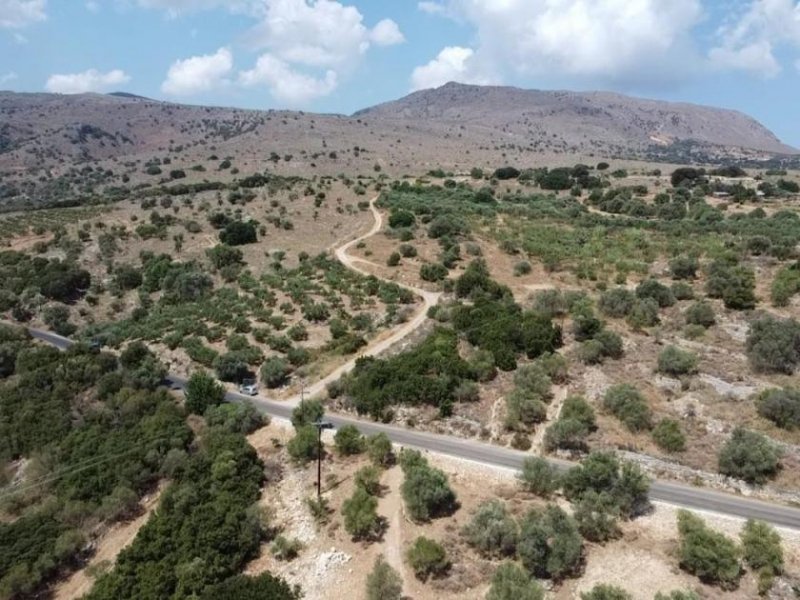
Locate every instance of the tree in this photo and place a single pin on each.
(222, 256)
(433, 272)
(231, 366)
(602, 472)
(597, 515)
(492, 531)
(202, 392)
(577, 408)
(684, 267)
(669, 436)
(307, 412)
(773, 345)
(368, 478)
(244, 587)
(644, 313)
(275, 371)
(349, 441)
(627, 404)
(427, 558)
(383, 582)
(603, 591)
(700, 313)
(394, 259)
(426, 491)
(761, 547)
(566, 434)
(360, 515)
(538, 476)
(616, 302)
(304, 446)
(379, 449)
(709, 555)
(549, 543)
(401, 218)
(510, 582)
(238, 233)
(652, 288)
(676, 362)
(750, 456)
(781, 406)
(677, 595)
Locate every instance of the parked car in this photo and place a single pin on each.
(248, 387)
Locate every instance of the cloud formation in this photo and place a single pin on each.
(88, 81)
(453, 63)
(15, 14)
(199, 74)
(286, 84)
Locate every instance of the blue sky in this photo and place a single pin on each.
(340, 56)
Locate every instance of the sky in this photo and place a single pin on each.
(341, 56)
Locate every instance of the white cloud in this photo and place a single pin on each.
(19, 13)
(432, 8)
(386, 33)
(198, 74)
(175, 8)
(88, 81)
(310, 46)
(748, 43)
(606, 41)
(8, 77)
(453, 63)
(287, 84)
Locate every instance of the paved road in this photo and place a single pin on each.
(493, 456)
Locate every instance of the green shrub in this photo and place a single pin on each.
(669, 436)
(510, 582)
(781, 406)
(202, 392)
(427, 559)
(773, 345)
(603, 591)
(761, 547)
(627, 404)
(491, 530)
(284, 548)
(407, 251)
(749, 456)
(538, 476)
(652, 288)
(597, 515)
(307, 412)
(231, 366)
(644, 313)
(349, 441)
(238, 233)
(523, 410)
(682, 291)
(304, 446)
(610, 343)
(433, 272)
(603, 473)
(709, 555)
(361, 519)
(577, 408)
(684, 267)
(368, 478)
(676, 362)
(616, 303)
(677, 595)
(700, 313)
(275, 372)
(735, 284)
(245, 587)
(549, 543)
(383, 582)
(394, 259)
(379, 449)
(566, 434)
(427, 493)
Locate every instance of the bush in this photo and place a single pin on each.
(566, 434)
(369, 479)
(379, 449)
(244, 587)
(523, 410)
(275, 372)
(304, 446)
(307, 412)
(202, 392)
(393, 260)
(682, 291)
(749, 456)
(669, 436)
(407, 251)
(549, 543)
(401, 218)
(604, 591)
(510, 582)
(644, 313)
(684, 267)
(349, 441)
(700, 313)
(652, 288)
(709, 555)
(577, 408)
(383, 582)
(773, 345)
(231, 366)
(426, 491)
(538, 476)
(433, 272)
(521, 268)
(626, 403)
(735, 284)
(597, 515)
(610, 344)
(676, 362)
(761, 547)
(781, 406)
(677, 595)
(360, 515)
(238, 233)
(492, 532)
(239, 418)
(616, 303)
(603, 473)
(427, 558)
(284, 548)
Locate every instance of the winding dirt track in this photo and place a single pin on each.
(429, 299)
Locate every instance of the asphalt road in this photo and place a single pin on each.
(695, 498)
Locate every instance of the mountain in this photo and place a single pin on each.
(454, 127)
(581, 119)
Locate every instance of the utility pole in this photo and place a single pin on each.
(320, 425)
